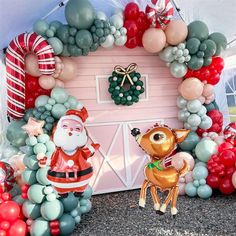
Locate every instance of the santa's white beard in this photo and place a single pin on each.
(62, 139)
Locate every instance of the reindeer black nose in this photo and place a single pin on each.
(135, 132)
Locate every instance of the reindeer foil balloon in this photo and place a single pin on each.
(160, 142)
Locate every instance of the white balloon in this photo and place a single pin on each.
(113, 29)
(117, 21)
(109, 42)
(101, 15)
(121, 40)
(117, 34)
(123, 31)
(120, 12)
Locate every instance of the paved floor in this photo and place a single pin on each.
(117, 214)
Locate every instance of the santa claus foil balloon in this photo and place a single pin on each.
(69, 169)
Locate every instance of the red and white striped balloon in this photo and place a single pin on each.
(159, 12)
(7, 178)
(15, 67)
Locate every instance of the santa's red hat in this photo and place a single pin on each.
(78, 114)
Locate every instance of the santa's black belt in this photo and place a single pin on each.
(70, 174)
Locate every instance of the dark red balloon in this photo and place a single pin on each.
(9, 211)
(131, 11)
(131, 42)
(225, 146)
(142, 21)
(229, 171)
(218, 63)
(132, 28)
(227, 158)
(226, 186)
(213, 181)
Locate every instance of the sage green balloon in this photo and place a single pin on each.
(41, 175)
(67, 224)
(193, 45)
(40, 27)
(56, 24)
(74, 51)
(31, 210)
(80, 14)
(181, 102)
(41, 101)
(205, 149)
(190, 142)
(29, 176)
(65, 52)
(194, 120)
(56, 44)
(178, 70)
(198, 29)
(59, 94)
(63, 33)
(73, 102)
(84, 39)
(206, 123)
(40, 227)
(211, 48)
(194, 106)
(9, 151)
(88, 192)
(195, 63)
(166, 55)
(70, 202)
(58, 110)
(182, 116)
(15, 134)
(28, 114)
(35, 193)
(52, 210)
(220, 41)
(18, 199)
(40, 148)
(31, 162)
(207, 61)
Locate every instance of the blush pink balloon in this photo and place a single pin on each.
(31, 65)
(59, 83)
(208, 90)
(234, 179)
(189, 177)
(202, 99)
(182, 189)
(154, 40)
(47, 82)
(176, 32)
(69, 69)
(219, 140)
(191, 88)
(177, 160)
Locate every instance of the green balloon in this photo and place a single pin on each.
(59, 94)
(40, 27)
(84, 39)
(50, 146)
(211, 48)
(198, 29)
(41, 175)
(65, 52)
(35, 193)
(56, 24)
(31, 210)
(67, 224)
(15, 134)
(31, 162)
(181, 102)
(88, 192)
(9, 151)
(28, 114)
(63, 33)
(195, 63)
(70, 202)
(194, 106)
(200, 172)
(74, 51)
(18, 199)
(29, 177)
(204, 191)
(40, 227)
(40, 148)
(211, 106)
(190, 190)
(178, 70)
(58, 111)
(43, 138)
(220, 41)
(207, 61)
(52, 210)
(42, 100)
(166, 55)
(205, 149)
(194, 120)
(193, 45)
(56, 44)
(190, 142)
(80, 14)
(206, 123)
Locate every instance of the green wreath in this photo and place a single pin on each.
(122, 76)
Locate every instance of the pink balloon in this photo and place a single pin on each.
(154, 40)
(31, 65)
(59, 83)
(176, 32)
(189, 177)
(208, 90)
(219, 140)
(69, 69)
(234, 179)
(177, 160)
(182, 189)
(191, 88)
(202, 99)
(46, 82)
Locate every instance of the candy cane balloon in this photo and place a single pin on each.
(15, 67)
(6, 177)
(159, 12)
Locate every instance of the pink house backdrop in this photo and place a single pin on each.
(119, 163)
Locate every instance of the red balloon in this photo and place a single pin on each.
(218, 63)
(229, 172)
(31, 83)
(200, 131)
(29, 102)
(189, 74)
(227, 158)
(6, 196)
(225, 146)
(4, 225)
(214, 79)
(213, 181)
(131, 42)
(2, 232)
(226, 186)
(18, 228)
(142, 21)
(132, 28)
(131, 11)
(9, 211)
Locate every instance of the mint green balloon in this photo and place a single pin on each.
(40, 27)
(9, 151)
(31, 141)
(52, 210)
(58, 110)
(29, 150)
(56, 24)
(198, 29)
(84, 39)
(42, 100)
(56, 44)
(40, 227)
(194, 120)
(50, 146)
(43, 138)
(204, 191)
(67, 224)
(15, 134)
(73, 102)
(41, 175)
(70, 202)
(31, 162)
(190, 190)
(193, 45)
(206, 123)
(220, 41)
(35, 193)
(59, 94)
(200, 172)
(194, 106)
(40, 148)
(29, 176)
(31, 210)
(80, 14)
(190, 142)
(205, 149)
(87, 193)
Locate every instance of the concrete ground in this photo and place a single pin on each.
(118, 214)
